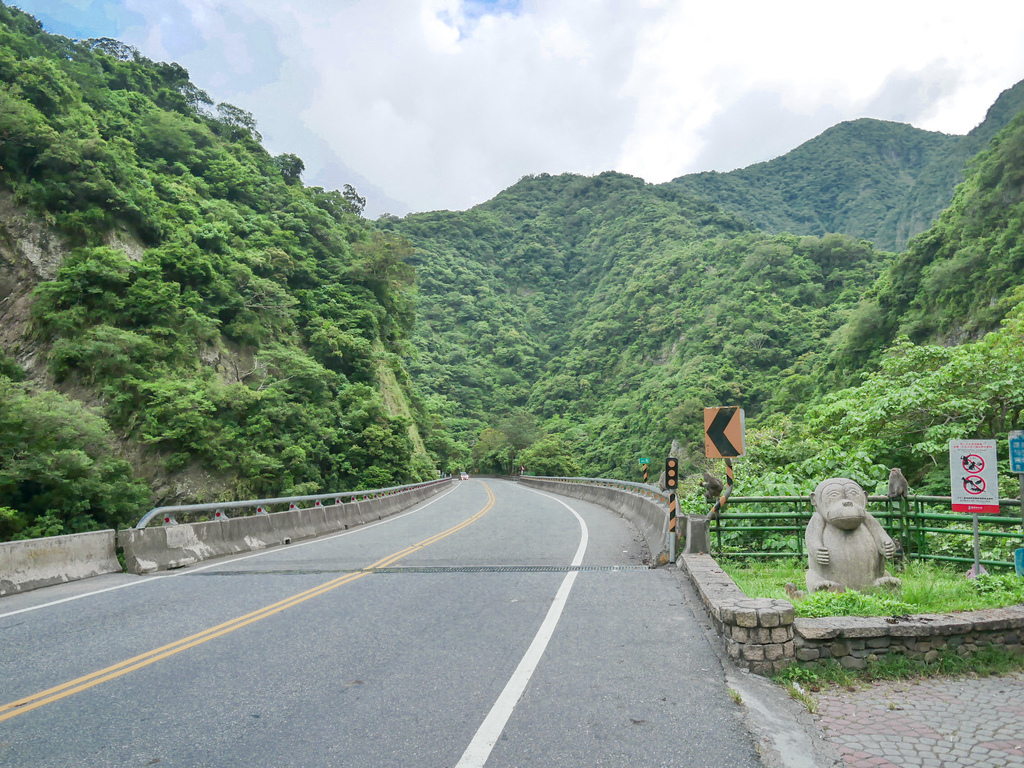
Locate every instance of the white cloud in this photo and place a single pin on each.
(442, 103)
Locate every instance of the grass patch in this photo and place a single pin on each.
(927, 588)
(802, 681)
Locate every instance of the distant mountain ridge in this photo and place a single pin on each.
(885, 182)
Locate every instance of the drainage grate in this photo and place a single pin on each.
(508, 568)
(431, 569)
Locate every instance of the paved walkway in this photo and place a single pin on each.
(934, 723)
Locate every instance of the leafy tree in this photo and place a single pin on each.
(291, 167)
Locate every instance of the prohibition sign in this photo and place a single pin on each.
(973, 463)
(974, 485)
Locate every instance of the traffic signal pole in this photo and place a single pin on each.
(672, 483)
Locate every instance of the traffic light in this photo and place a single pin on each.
(671, 473)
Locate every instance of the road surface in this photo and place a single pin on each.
(491, 625)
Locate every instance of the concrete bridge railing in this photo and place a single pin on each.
(643, 505)
(27, 565)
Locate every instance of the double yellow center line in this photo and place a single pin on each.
(27, 704)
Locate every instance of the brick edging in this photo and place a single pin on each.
(764, 636)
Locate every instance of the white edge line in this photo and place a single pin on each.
(489, 732)
(225, 561)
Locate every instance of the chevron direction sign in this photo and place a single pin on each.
(723, 432)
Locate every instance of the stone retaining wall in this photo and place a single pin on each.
(764, 636)
(758, 632)
(856, 641)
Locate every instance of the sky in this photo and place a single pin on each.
(440, 104)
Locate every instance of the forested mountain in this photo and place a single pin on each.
(960, 279)
(182, 319)
(232, 332)
(881, 181)
(619, 309)
(610, 312)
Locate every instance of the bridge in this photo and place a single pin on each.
(487, 623)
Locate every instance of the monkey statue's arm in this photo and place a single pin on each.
(882, 539)
(815, 540)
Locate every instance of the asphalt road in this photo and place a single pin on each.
(493, 625)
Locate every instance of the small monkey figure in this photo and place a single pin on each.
(898, 485)
(712, 487)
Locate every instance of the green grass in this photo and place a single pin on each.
(927, 588)
(801, 681)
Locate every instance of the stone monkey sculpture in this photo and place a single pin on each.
(846, 546)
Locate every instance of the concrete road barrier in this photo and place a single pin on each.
(35, 563)
(650, 517)
(173, 546)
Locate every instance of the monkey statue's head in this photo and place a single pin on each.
(842, 502)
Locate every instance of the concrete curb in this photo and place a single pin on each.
(26, 565)
(647, 515)
(173, 546)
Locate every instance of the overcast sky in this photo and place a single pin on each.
(430, 104)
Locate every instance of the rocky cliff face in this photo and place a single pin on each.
(32, 252)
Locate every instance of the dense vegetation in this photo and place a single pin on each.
(613, 312)
(927, 588)
(881, 181)
(254, 336)
(217, 329)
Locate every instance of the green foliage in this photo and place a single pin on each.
(250, 336)
(903, 413)
(959, 279)
(1004, 588)
(551, 456)
(882, 181)
(59, 470)
(990, 660)
(622, 308)
(850, 603)
(927, 588)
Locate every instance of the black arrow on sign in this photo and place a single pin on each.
(716, 432)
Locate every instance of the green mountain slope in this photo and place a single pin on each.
(881, 181)
(622, 308)
(960, 279)
(233, 332)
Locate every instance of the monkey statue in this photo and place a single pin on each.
(846, 547)
(898, 485)
(712, 487)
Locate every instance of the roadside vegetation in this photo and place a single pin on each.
(217, 320)
(927, 588)
(802, 682)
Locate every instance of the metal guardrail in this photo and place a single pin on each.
(260, 505)
(910, 521)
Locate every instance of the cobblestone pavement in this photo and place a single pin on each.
(934, 723)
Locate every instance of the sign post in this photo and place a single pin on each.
(672, 483)
(724, 438)
(1017, 465)
(644, 463)
(974, 482)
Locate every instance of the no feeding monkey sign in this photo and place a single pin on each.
(974, 476)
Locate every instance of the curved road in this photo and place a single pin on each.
(492, 625)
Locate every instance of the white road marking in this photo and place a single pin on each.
(222, 562)
(487, 735)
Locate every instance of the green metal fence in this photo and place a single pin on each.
(773, 526)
